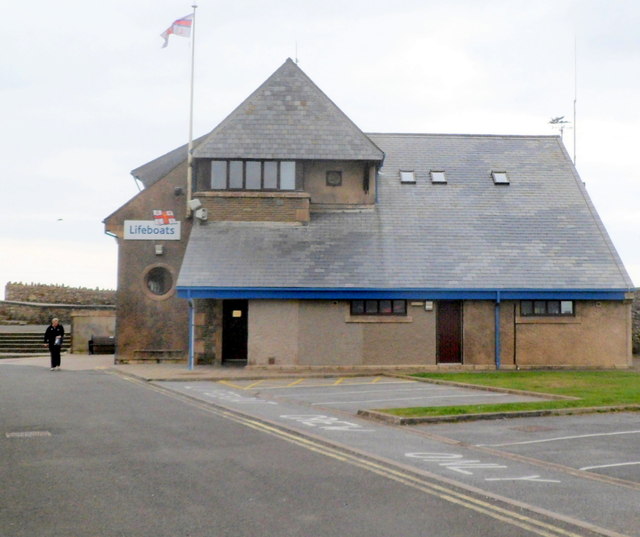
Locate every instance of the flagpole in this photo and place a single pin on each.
(190, 146)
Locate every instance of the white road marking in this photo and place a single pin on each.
(457, 463)
(610, 465)
(557, 439)
(307, 387)
(411, 398)
(535, 478)
(328, 423)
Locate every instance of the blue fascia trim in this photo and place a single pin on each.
(346, 293)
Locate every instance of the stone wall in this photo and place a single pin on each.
(58, 294)
(636, 323)
(49, 301)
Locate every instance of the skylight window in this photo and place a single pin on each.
(500, 178)
(438, 177)
(407, 176)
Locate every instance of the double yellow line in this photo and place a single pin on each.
(508, 516)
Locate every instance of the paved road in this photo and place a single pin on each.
(537, 479)
(89, 453)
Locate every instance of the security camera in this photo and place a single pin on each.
(201, 214)
(194, 204)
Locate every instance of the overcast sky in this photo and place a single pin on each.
(88, 94)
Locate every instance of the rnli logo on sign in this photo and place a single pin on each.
(163, 217)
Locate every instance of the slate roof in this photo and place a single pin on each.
(539, 232)
(159, 167)
(288, 117)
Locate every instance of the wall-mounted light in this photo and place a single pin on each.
(159, 249)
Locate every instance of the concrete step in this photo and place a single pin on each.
(27, 343)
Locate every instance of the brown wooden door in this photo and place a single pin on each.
(449, 332)
(234, 332)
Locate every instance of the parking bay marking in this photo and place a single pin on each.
(558, 438)
(411, 398)
(610, 465)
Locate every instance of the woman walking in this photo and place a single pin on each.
(53, 338)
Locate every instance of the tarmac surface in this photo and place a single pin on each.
(179, 371)
(583, 471)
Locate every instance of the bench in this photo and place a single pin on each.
(102, 345)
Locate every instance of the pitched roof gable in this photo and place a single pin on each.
(288, 117)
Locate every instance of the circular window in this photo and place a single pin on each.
(158, 281)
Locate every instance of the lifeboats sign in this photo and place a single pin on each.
(151, 230)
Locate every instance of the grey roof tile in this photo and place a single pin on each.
(539, 232)
(288, 117)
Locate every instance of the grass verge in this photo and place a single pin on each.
(593, 388)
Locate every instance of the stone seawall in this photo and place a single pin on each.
(38, 303)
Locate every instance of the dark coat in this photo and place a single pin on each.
(52, 332)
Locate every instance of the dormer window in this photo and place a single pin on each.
(407, 176)
(253, 175)
(438, 177)
(500, 178)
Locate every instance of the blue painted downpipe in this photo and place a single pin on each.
(191, 334)
(498, 343)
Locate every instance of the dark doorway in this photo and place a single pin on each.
(234, 332)
(449, 332)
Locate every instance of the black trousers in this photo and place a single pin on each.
(55, 355)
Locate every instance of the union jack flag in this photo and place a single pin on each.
(163, 217)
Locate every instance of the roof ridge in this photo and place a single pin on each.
(463, 135)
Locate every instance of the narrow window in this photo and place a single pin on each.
(236, 168)
(553, 307)
(385, 307)
(357, 307)
(566, 307)
(270, 175)
(438, 177)
(287, 175)
(253, 175)
(219, 174)
(408, 176)
(371, 307)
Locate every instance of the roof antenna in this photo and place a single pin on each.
(575, 93)
(296, 53)
(559, 122)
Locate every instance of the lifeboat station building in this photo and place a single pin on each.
(300, 241)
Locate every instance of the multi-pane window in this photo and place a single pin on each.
(546, 308)
(378, 307)
(253, 175)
